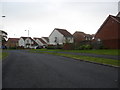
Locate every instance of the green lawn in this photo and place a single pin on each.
(3, 55)
(101, 52)
(85, 58)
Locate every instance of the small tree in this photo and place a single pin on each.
(3, 37)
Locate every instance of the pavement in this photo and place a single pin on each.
(22, 69)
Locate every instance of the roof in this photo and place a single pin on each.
(64, 32)
(35, 38)
(83, 34)
(13, 39)
(88, 35)
(117, 19)
(41, 40)
(93, 35)
(46, 38)
(26, 37)
(79, 32)
(118, 15)
(34, 43)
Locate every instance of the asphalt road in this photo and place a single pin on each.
(32, 70)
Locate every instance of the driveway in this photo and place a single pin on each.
(22, 69)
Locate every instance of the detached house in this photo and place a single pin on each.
(81, 36)
(27, 42)
(12, 42)
(45, 39)
(60, 36)
(40, 42)
(109, 32)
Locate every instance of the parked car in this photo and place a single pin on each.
(39, 47)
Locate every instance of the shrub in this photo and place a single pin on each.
(82, 47)
(20, 47)
(98, 45)
(12, 47)
(51, 47)
(88, 47)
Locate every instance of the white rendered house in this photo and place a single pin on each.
(45, 39)
(27, 42)
(60, 36)
(40, 42)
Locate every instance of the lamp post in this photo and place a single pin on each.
(28, 43)
(3, 16)
(28, 32)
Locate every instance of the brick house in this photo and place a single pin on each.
(12, 42)
(109, 32)
(80, 37)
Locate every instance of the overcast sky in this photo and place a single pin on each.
(40, 17)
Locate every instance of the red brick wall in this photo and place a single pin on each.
(109, 34)
(68, 46)
(112, 44)
(11, 44)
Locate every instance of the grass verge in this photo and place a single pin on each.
(100, 52)
(3, 55)
(110, 62)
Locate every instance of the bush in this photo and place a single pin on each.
(20, 47)
(12, 47)
(88, 47)
(59, 46)
(82, 47)
(98, 45)
(54, 46)
(51, 47)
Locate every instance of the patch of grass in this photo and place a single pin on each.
(86, 58)
(101, 52)
(3, 55)
(0, 55)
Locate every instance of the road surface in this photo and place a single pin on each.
(22, 69)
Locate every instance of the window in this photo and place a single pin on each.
(27, 41)
(55, 39)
